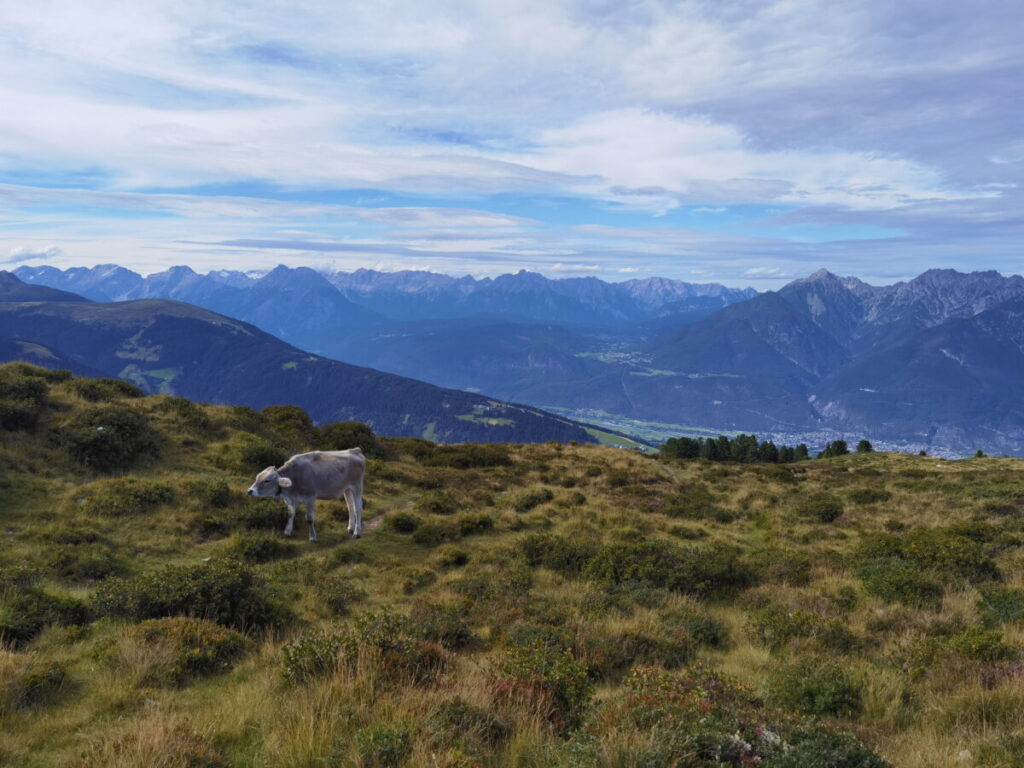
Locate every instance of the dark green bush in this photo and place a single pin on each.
(209, 492)
(97, 390)
(815, 745)
(443, 623)
(864, 496)
(292, 424)
(898, 582)
(776, 628)
(470, 455)
(958, 551)
(84, 563)
(123, 497)
(110, 437)
(694, 502)
(415, 578)
(458, 722)
(196, 648)
(607, 656)
(23, 398)
(693, 570)
(184, 412)
(250, 453)
(259, 547)
(436, 503)
(403, 522)
(780, 566)
(817, 687)
(33, 684)
(1001, 605)
(450, 556)
(547, 681)
(315, 654)
(527, 500)
(557, 552)
(338, 593)
(470, 523)
(25, 607)
(342, 435)
(383, 745)
(823, 506)
(431, 534)
(225, 592)
(707, 631)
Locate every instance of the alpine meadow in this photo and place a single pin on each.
(530, 605)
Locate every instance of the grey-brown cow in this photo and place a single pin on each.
(318, 475)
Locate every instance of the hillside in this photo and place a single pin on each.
(544, 605)
(176, 348)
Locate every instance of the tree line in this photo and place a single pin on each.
(747, 449)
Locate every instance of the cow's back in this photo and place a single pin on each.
(325, 474)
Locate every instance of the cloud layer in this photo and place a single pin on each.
(746, 141)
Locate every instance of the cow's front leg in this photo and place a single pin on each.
(310, 509)
(350, 504)
(291, 520)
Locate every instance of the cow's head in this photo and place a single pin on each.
(268, 483)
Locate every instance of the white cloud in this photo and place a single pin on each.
(575, 268)
(30, 253)
(763, 272)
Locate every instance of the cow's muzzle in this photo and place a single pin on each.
(252, 491)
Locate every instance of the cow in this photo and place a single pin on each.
(306, 477)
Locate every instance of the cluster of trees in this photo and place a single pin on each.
(749, 450)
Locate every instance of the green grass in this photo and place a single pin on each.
(562, 607)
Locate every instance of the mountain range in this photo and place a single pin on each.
(934, 361)
(178, 348)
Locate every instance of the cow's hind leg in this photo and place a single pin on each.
(350, 502)
(310, 509)
(359, 510)
(291, 521)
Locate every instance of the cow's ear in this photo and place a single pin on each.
(284, 482)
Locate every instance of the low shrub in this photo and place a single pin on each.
(431, 534)
(780, 566)
(814, 745)
(123, 497)
(184, 412)
(775, 628)
(97, 390)
(607, 656)
(443, 623)
(192, 648)
(545, 681)
(25, 607)
(527, 500)
(823, 506)
(110, 437)
(342, 435)
(694, 502)
(84, 563)
(436, 503)
(23, 398)
(707, 631)
(457, 722)
(30, 683)
(386, 641)
(898, 582)
(1001, 605)
(693, 570)
(414, 578)
(865, 496)
(338, 593)
(209, 492)
(249, 453)
(292, 424)
(470, 455)
(224, 591)
(403, 522)
(383, 745)
(954, 550)
(817, 687)
(557, 552)
(450, 556)
(259, 547)
(472, 523)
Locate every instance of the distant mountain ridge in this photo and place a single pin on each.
(177, 348)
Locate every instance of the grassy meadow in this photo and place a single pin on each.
(539, 605)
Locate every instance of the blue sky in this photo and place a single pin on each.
(745, 142)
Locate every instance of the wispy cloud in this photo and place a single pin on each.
(657, 136)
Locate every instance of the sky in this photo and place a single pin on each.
(746, 142)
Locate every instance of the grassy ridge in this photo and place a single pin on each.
(509, 605)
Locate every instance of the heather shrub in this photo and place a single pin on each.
(338, 593)
(457, 722)
(259, 547)
(898, 582)
(436, 503)
(209, 492)
(954, 550)
(403, 522)
(817, 687)
(249, 453)
(451, 556)
(26, 683)
(290, 422)
(527, 500)
(775, 628)
(84, 563)
(780, 566)
(865, 496)
(97, 390)
(383, 745)
(1001, 605)
(693, 570)
(225, 592)
(431, 534)
(444, 623)
(123, 497)
(469, 455)
(547, 681)
(110, 437)
(185, 647)
(26, 608)
(471, 523)
(557, 552)
(342, 435)
(823, 506)
(23, 398)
